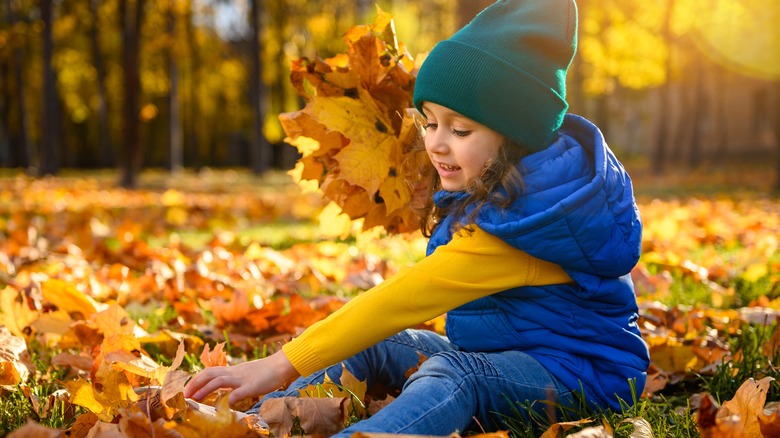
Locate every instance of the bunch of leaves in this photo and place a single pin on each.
(355, 134)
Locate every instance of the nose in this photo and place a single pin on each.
(435, 143)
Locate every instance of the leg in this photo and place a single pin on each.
(455, 391)
(385, 363)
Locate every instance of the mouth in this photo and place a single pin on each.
(447, 167)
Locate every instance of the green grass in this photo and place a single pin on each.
(16, 407)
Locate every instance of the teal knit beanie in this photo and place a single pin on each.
(506, 69)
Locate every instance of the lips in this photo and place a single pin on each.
(448, 168)
(447, 171)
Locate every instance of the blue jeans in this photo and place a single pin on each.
(453, 391)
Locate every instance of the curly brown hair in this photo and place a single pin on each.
(501, 173)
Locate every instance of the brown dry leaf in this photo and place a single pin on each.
(82, 425)
(78, 362)
(172, 392)
(32, 429)
(748, 405)
(421, 358)
(103, 429)
(134, 422)
(317, 416)
(222, 424)
(375, 405)
(15, 364)
(215, 358)
(350, 388)
(134, 363)
(770, 422)
(741, 417)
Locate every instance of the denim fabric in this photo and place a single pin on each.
(453, 391)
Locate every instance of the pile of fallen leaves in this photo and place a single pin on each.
(72, 272)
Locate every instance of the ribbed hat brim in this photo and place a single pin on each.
(490, 91)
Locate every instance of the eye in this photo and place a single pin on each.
(460, 133)
(430, 125)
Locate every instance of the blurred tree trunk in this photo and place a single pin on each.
(468, 9)
(50, 146)
(193, 151)
(132, 153)
(22, 155)
(5, 137)
(105, 148)
(260, 150)
(364, 10)
(659, 154)
(700, 109)
(174, 126)
(279, 91)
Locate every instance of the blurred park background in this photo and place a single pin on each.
(194, 84)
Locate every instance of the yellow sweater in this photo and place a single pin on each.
(469, 267)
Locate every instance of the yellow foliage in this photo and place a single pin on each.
(354, 132)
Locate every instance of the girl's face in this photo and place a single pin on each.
(458, 147)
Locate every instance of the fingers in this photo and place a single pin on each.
(208, 381)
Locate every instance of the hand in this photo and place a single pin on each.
(248, 379)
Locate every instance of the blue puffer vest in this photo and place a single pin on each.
(578, 211)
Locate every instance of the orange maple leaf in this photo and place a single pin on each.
(354, 132)
(215, 358)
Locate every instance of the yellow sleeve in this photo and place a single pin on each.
(469, 267)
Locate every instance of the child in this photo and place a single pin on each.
(533, 232)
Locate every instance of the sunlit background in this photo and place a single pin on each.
(670, 82)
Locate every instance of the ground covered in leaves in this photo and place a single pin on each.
(105, 292)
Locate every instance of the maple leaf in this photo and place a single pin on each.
(135, 422)
(82, 425)
(741, 417)
(317, 416)
(354, 132)
(65, 296)
(748, 404)
(15, 313)
(216, 358)
(15, 364)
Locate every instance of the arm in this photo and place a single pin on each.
(469, 267)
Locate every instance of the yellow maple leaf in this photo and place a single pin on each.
(354, 131)
(15, 313)
(83, 394)
(66, 297)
